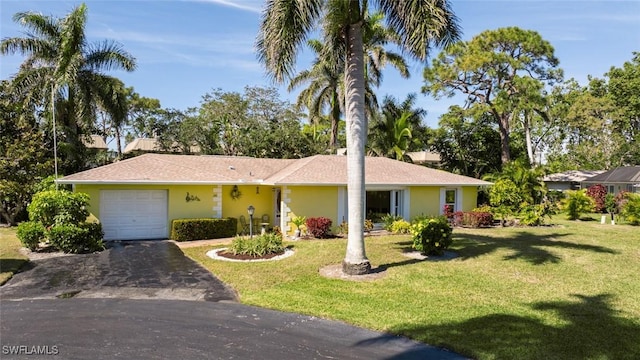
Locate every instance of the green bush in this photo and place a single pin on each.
(30, 234)
(260, 245)
(199, 229)
(432, 236)
(577, 202)
(533, 215)
(389, 219)
(82, 238)
(59, 207)
(400, 227)
(631, 209)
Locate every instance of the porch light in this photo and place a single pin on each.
(251, 210)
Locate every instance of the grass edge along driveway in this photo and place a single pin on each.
(11, 260)
(569, 291)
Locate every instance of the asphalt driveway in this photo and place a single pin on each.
(131, 270)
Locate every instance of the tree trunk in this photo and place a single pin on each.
(503, 122)
(355, 261)
(118, 143)
(335, 120)
(526, 124)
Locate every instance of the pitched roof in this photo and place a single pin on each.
(96, 142)
(314, 170)
(625, 174)
(572, 175)
(150, 145)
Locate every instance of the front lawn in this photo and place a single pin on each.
(11, 260)
(570, 291)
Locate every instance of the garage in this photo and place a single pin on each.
(133, 214)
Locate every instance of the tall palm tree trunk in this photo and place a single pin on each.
(355, 261)
(335, 120)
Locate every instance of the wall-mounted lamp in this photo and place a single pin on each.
(257, 189)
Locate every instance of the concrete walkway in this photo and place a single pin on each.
(131, 270)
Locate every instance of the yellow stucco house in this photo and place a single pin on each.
(138, 198)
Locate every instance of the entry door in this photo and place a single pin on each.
(276, 207)
(133, 214)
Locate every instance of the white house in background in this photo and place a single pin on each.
(425, 158)
(569, 180)
(625, 178)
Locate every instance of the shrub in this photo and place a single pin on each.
(319, 227)
(298, 221)
(59, 207)
(433, 236)
(577, 202)
(532, 215)
(505, 198)
(598, 193)
(368, 225)
(389, 219)
(472, 219)
(400, 227)
(447, 210)
(86, 237)
(30, 234)
(260, 245)
(199, 229)
(631, 209)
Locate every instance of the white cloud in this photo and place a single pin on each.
(252, 6)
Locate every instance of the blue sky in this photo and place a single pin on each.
(187, 48)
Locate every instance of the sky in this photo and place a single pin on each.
(185, 49)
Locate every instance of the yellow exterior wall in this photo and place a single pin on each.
(424, 200)
(469, 198)
(262, 203)
(179, 208)
(312, 201)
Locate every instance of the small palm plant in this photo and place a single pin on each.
(298, 221)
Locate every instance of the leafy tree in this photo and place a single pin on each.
(285, 26)
(25, 158)
(62, 65)
(468, 146)
(498, 71)
(624, 90)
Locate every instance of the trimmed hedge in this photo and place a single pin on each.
(83, 238)
(200, 229)
(473, 219)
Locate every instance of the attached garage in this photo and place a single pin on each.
(134, 214)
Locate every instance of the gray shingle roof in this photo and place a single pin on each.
(625, 174)
(314, 170)
(572, 175)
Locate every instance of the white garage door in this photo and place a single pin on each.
(133, 214)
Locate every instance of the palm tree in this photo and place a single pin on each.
(285, 26)
(327, 72)
(60, 64)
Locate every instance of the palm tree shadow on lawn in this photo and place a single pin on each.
(590, 328)
(536, 249)
(524, 245)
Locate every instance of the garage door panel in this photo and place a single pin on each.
(133, 214)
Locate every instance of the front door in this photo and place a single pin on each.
(276, 207)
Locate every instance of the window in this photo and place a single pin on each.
(450, 198)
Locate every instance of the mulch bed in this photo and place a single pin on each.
(230, 255)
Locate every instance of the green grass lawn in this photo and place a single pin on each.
(11, 260)
(570, 291)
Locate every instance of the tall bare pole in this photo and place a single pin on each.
(55, 138)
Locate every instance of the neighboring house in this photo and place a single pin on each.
(568, 180)
(138, 198)
(626, 178)
(425, 158)
(144, 145)
(99, 153)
